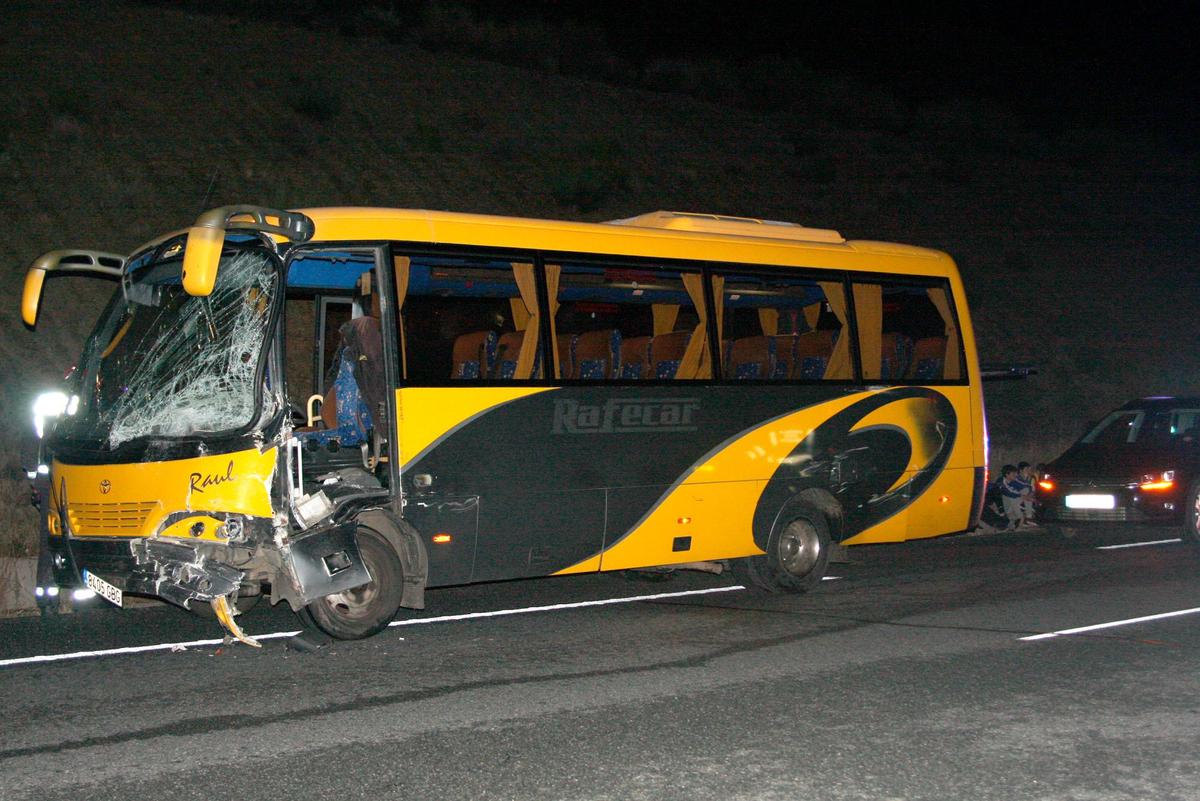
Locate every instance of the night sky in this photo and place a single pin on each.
(1132, 67)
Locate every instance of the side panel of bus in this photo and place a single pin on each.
(538, 477)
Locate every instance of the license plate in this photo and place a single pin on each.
(102, 588)
(1091, 502)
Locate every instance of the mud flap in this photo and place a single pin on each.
(325, 560)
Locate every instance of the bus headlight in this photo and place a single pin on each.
(46, 406)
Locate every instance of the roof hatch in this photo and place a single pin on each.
(734, 226)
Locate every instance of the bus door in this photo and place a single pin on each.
(336, 361)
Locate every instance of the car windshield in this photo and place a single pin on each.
(1146, 428)
(163, 363)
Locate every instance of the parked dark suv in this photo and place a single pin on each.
(1140, 464)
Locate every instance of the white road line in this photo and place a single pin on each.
(133, 649)
(555, 607)
(1114, 624)
(1135, 544)
(167, 646)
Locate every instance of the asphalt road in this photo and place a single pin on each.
(905, 678)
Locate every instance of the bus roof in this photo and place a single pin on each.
(660, 234)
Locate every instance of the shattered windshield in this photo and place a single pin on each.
(164, 363)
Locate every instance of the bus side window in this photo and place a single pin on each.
(906, 332)
(783, 328)
(614, 322)
(470, 319)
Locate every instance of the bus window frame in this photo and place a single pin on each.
(540, 258)
(816, 274)
(412, 250)
(633, 263)
(848, 278)
(926, 282)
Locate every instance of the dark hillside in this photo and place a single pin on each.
(124, 121)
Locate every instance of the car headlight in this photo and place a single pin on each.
(1156, 482)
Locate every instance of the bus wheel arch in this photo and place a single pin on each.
(824, 502)
(797, 550)
(409, 547)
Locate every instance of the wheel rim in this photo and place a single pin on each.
(353, 604)
(357, 603)
(799, 548)
(1196, 512)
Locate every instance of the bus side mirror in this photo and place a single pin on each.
(201, 256)
(205, 239)
(64, 262)
(31, 296)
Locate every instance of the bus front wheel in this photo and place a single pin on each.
(365, 610)
(796, 557)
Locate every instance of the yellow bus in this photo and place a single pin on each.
(340, 407)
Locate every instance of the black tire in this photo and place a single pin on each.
(1191, 516)
(366, 610)
(796, 557)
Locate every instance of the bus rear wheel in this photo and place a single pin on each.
(360, 612)
(796, 557)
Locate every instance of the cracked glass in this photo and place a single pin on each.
(162, 363)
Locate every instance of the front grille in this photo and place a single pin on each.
(1095, 515)
(111, 519)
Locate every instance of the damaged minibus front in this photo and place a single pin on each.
(171, 474)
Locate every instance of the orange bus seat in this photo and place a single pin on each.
(597, 354)
(666, 352)
(473, 355)
(635, 358)
(751, 357)
(813, 351)
(928, 359)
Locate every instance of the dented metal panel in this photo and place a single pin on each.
(324, 561)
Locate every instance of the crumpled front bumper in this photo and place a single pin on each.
(309, 566)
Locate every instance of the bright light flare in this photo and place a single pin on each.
(46, 406)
